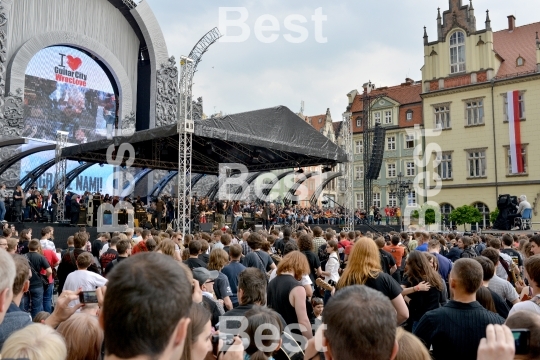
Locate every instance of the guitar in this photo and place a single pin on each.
(290, 350)
(323, 284)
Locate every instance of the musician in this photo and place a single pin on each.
(237, 214)
(158, 213)
(170, 209)
(220, 213)
(203, 209)
(75, 208)
(265, 215)
(54, 205)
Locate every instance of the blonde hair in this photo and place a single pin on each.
(167, 247)
(35, 342)
(218, 259)
(84, 337)
(364, 263)
(410, 347)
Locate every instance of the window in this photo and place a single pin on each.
(485, 214)
(388, 117)
(391, 143)
(377, 117)
(446, 209)
(520, 61)
(477, 163)
(359, 122)
(442, 116)
(411, 169)
(359, 146)
(391, 170)
(409, 114)
(392, 200)
(457, 52)
(359, 172)
(360, 200)
(521, 102)
(523, 160)
(444, 169)
(409, 141)
(411, 198)
(475, 112)
(320, 120)
(377, 200)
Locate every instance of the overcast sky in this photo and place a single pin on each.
(360, 40)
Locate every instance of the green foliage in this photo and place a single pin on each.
(430, 216)
(415, 214)
(493, 215)
(465, 214)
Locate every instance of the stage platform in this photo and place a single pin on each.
(61, 231)
(513, 232)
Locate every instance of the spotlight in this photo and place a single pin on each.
(101, 164)
(300, 171)
(81, 162)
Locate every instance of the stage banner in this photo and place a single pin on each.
(514, 132)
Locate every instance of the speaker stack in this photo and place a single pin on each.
(377, 152)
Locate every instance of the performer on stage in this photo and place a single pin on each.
(237, 214)
(220, 213)
(523, 204)
(75, 208)
(158, 213)
(203, 209)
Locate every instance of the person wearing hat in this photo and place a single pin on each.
(206, 279)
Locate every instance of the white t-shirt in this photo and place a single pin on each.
(305, 279)
(47, 244)
(84, 279)
(526, 306)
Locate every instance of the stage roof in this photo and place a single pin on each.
(267, 139)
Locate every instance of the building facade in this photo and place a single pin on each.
(397, 109)
(466, 77)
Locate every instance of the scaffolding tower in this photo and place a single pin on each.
(60, 174)
(188, 67)
(349, 173)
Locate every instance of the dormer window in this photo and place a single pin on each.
(409, 115)
(320, 120)
(457, 52)
(520, 61)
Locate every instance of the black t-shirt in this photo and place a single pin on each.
(387, 260)
(314, 264)
(516, 258)
(423, 301)
(259, 260)
(37, 263)
(112, 263)
(195, 263)
(222, 288)
(97, 245)
(106, 258)
(17, 193)
(385, 284)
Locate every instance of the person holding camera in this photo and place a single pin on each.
(331, 271)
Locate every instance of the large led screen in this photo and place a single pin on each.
(67, 90)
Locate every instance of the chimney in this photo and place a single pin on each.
(511, 22)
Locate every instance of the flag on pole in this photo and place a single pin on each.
(514, 131)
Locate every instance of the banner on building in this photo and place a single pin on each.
(513, 112)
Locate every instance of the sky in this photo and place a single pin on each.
(359, 41)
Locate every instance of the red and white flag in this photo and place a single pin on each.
(514, 131)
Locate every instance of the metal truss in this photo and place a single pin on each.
(290, 193)
(6, 164)
(73, 174)
(188, 66)
(349, 173)
(329, 177)
(240, 191)
(33, 175)
(268, 187)
(60, 176)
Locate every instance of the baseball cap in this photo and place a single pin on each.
(202, 275)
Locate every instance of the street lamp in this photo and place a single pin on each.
(400, 188)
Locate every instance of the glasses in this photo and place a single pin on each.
(209, 281)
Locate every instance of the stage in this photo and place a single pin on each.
(61, 231)
(513, 232)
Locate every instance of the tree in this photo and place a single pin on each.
(430, 216)
(465, 214)
(493, 216)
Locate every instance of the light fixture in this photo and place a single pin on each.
(81, 162)
(300, 171)
(327, 168)
(101, 164)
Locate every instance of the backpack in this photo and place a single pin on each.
(468, 253)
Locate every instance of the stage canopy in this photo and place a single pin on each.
(267, 139)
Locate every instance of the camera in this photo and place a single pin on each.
(228, 340)
(88, 297)
(522, 338)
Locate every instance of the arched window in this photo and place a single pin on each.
(457, 52)
(446, 209)
(484, 210)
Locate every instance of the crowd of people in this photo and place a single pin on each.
(269, 294)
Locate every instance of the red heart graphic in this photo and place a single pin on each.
(74, 62)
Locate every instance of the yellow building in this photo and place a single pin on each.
(466, 76)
